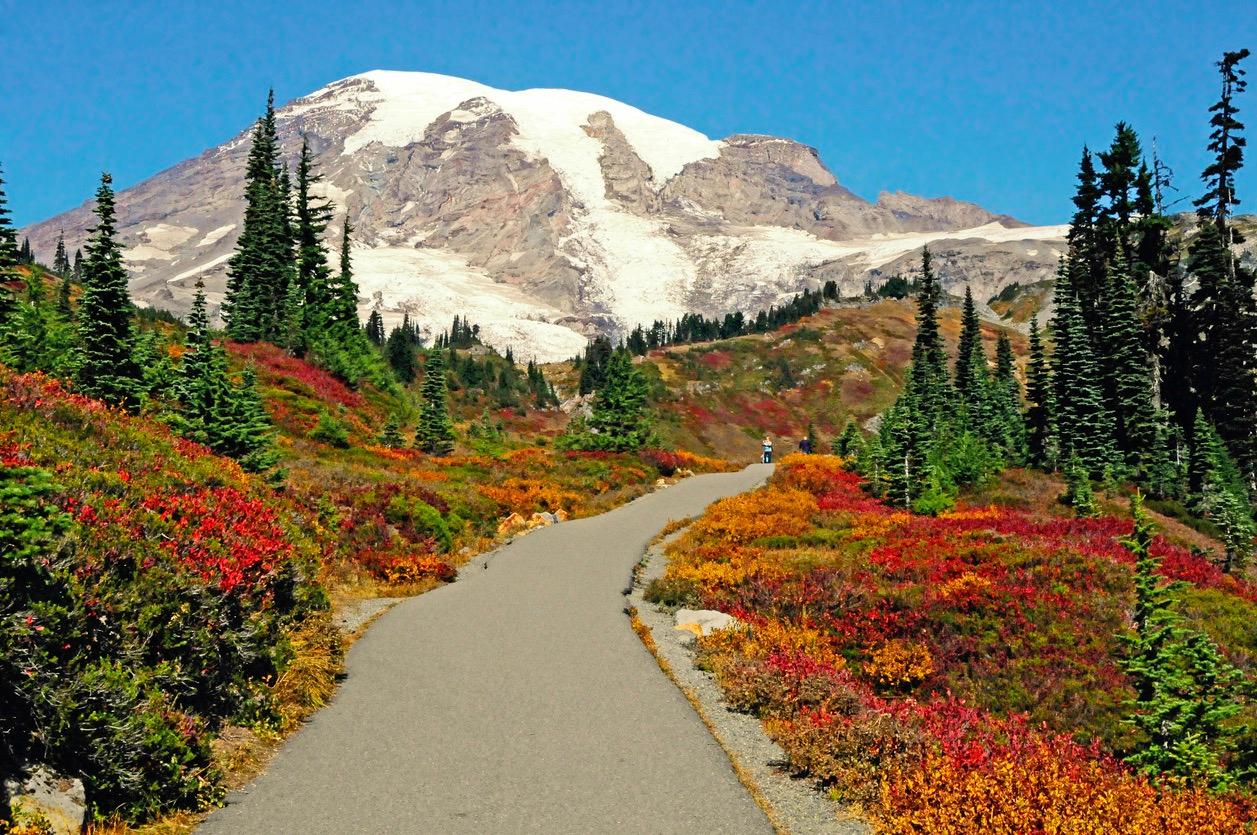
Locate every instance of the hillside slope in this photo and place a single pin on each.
(720, 398)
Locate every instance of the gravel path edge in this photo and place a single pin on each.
(793, 806)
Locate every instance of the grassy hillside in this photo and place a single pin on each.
(720, 398)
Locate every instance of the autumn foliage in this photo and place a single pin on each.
(951, 674)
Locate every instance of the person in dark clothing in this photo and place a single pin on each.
(768, 450)
(805, 446)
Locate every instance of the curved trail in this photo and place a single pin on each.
(514, 700)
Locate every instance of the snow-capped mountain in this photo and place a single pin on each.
(549, 215)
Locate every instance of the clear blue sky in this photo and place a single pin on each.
(981, 101)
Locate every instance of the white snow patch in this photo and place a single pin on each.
(200, 268)
(883, 248)
(215, 235)
(433, 286)
(146, 252)
(165, 236)
(551, 124)
(157, 241)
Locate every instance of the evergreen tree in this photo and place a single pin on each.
(106, 370)
(229, 419)
(971, 369)
(928, 373)
(1218, 493)
(248, 431)
(906, 443)
(848, 442)
(399, 350)
(1186, 690)
(312, 274)
(391, 436)
(260, 270)
(1009, 431)
(8, 236)
(594, 366)
(24, 334)
(9, 255)
(64, 307)
(61, 261)
(620, 419)
(1226, 143)
(1084, 237)
(1084, 427)
(1078, 492)
(1119, 183)
(77, 269)
(1129, 384)
(1225, 313)
(1040, 411)
(435, 434)
(26, 255)
(375, 328)
(342, 302)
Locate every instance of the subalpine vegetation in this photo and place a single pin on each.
(1149, 371)
(179, 506)
(986, 669)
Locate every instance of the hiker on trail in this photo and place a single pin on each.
(768, 450)
(805, 446)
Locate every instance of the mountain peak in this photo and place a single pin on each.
(549, 215)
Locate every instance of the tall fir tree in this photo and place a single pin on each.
(259, 272)
(1225, 313)
(312, 273)
(972, 373)
(9, 256)
(1084, 236)
(1009, 430)
(60, 260)
(375, 328)
(1186, 691)
(1083, 425)
(106, 369)
(229, 418)
(1119, 185)
(1040, 409)
(1218, 492)
(435, 434)
(342, 300)
(928, 372)
(619, 419)
(1129, 386)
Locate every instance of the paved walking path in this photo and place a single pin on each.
(514, 700)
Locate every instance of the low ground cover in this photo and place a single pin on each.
(958, 673)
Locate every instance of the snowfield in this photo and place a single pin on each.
(550, 125)
(433, 286)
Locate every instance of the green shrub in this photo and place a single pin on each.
(422, 519)
(672, 593)
(331, 431)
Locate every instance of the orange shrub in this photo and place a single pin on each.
(1040, 791)
(526, 495)
(897, 663)
(771, 512)
(771, 637)
(813, 473)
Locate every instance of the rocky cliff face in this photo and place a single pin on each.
(550, 215)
